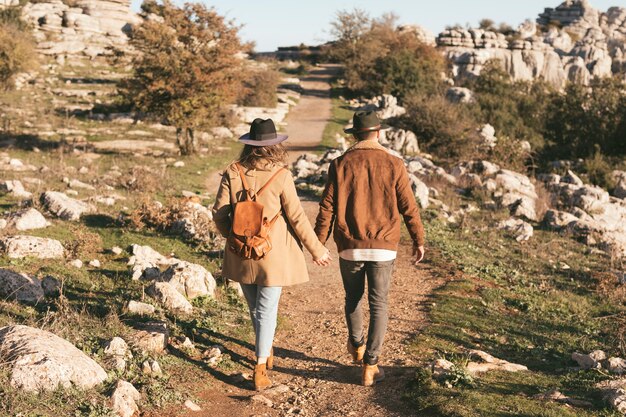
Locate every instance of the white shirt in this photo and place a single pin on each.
(368, 255)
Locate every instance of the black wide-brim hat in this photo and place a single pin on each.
(262, 133)
(365, 121)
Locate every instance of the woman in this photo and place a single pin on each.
(260, 174)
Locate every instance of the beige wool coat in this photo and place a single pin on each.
(285, 264)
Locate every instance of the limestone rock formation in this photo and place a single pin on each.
(28, 219)
(88, 27)
(546, 51)
(41, 360)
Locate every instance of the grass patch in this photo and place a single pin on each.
(340, 117)
(517, 302)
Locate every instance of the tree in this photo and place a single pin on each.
(187, 68)
(516, 109)
(586, 121)
(379, 59)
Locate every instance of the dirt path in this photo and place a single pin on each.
(312, 366)
(306, 121)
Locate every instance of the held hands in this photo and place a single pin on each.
(324, 260)
(418, 252)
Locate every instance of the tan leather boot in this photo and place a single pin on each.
(261, 380)
(372, 374)
(270, 360)
(357, 353)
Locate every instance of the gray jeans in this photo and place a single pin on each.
(378, 276)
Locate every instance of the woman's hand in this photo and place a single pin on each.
(324, 260)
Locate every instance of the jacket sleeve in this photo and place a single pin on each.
(326, 215)
(298, 220)
(222, 209)
(408, 207)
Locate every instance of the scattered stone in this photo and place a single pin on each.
(191, 280)
(76, 263)
(81, 185)
(517, 228)
(43, 361)
(146, 262)
(213, 355)
(591, 361)
(616, 366)
(174, 301)
(15, 189)
(441, 368)
(94, 263)
(571, 178)
(420, 190)
(277, 390)
(28, 219)
(179, 164)
(63, 206)
(20, 287)
(116, 250)
(38, 247)
(140, 308)
(261, 399)
(116, 347)
(190, 405)
(151, 367)
(124, 399)
(558, 220)
(3, 224)
(490, 363)
(151, 337)
(614, 394)
(51, 286)
(557, 396)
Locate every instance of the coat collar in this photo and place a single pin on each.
(367, 144)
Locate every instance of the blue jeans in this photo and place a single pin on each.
(263, 304)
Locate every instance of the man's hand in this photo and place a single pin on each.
(418, 252)
(324, 260)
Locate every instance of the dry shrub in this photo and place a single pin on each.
(145, 179)
(609, 286)
(544, 201)
(85, 243)
(509, 154)
(259, 89)
(17, 53)
(180, 216)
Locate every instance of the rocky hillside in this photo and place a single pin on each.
(573, 42)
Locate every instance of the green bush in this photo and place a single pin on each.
(444, 129)
(599, 170)
(583, 121)
(514, 109)
(259, 89)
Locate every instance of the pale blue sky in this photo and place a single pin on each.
(273, 23)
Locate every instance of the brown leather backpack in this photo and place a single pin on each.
(249, 235)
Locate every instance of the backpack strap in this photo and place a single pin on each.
(244, 182)
(250, 194)
(270, 181)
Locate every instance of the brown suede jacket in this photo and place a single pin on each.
(367, 192)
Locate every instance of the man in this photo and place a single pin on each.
(367, 192)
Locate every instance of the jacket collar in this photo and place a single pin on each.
(367, 144)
